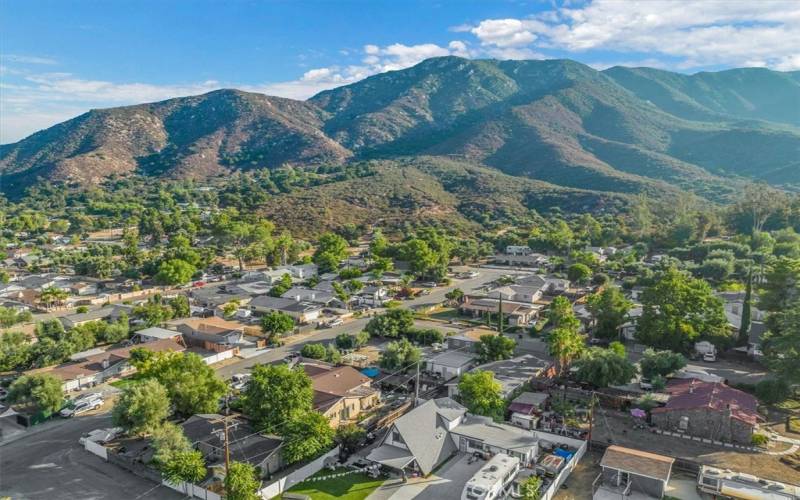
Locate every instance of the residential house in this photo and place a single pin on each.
(517, 293)
(251, 288)
(215, 296)
(206, 432)
(518, 250)
(99, 367)
(213, 333)
(302, 312)
(373, 295)
(424, 438)
(521, 260)
(526, 408)
(105, 313)
(300, 271)
(514, 313)
(627, 330)
(83, 288)
(303, 294)
(155, 333)
(451, 364)
(634, 474)
(468, 341)
(341, 393)
(710, 410)
(512, 374)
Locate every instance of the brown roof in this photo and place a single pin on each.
(213, 324)
(692, 394)
(93, 364)
(638, 462)
(339, 381)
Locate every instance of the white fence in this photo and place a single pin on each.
(192, 490)
(220, 356)
(577, 444)
(297, 476)
(96, 448)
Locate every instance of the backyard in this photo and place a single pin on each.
(347, 486)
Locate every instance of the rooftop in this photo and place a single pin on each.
(638, 462)
(690, 394)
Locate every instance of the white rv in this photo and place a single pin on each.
(492, 480)
(729, 484)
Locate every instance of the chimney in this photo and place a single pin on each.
(104, 363)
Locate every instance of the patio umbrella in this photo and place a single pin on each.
(638, 413)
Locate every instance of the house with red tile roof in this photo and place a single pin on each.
(710, 410)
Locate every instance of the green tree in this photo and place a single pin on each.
(481, 394)
(392, 324)
(241, 482)
(495, 347)
(579, 273)
(661, 363)
(313, 351)
(531, 488)
(346, 342)
(399, 354)
(306, 436)
(192, 385)
(341, 293)
(174, 272)
(744, 327)
(349, 437)
(679, 310)
(168, 439)
(271, 383)
(42, 390)
(781, 345)
(184, 466)
(180, 307)
(142, 407)
(561, 314)
(10, 317)
(331, 250)
(276, 324)
(15, 351)
(565, 344)
(604, 367)
(282, 286)
(610, 310)
(781, 286)
(455, 295)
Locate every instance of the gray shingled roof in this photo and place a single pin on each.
(424, 430)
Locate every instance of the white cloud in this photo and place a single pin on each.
(16, 58)
(695, 33)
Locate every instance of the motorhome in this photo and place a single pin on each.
(730, 484)
(492, 480)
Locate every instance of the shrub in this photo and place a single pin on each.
(313, 351)
(772, 391)
(760, 440)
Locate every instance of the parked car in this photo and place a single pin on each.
(86, 397)
(3, 393)
(335, 322)
(429, 284)
(239, 381)
(80, 408)
(646, 384)
(710, 357)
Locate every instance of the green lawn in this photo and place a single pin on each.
(353, 486)
(124, 383)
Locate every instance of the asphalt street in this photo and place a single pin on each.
(49, 463)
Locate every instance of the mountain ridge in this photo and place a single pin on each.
(620, 130)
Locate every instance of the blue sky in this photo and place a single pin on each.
(61, 58)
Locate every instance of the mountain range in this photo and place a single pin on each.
(562, 125)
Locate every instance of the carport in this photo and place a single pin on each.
(393, 457)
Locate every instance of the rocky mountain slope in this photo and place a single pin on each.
(622, 130)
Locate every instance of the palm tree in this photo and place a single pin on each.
(52, 295)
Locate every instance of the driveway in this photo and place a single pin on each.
(48, 464)
(447, 482)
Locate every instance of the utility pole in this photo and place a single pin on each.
(227, 448)
(591, 418)
(416, 387)
(500, 314)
